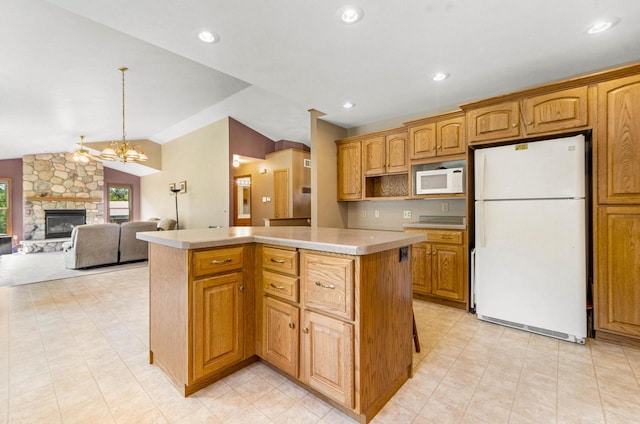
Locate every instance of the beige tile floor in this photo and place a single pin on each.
(75, 351)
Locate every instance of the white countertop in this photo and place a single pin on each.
(335, 240)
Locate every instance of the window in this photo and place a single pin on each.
(5, 206)
(120, 203)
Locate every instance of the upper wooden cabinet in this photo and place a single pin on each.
(385, 154)
(349, 170)
(618, 148)
(437, 137)
(557, 111)
(541, 114)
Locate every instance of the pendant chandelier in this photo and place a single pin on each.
(124, 151)
(81, 155)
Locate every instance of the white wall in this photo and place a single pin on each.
(202, 159)
(391, 212)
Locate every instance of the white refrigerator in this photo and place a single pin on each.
(530, 267)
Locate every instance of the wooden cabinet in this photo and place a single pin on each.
(546, 113)
(618, 263)
(328, 359)
(349, 170)
(201, 312)
(385, 153)
(281, 335)
(618, 139)
(439, 136)
(218, 323)
(439, 266)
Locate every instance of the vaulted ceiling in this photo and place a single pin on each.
(276, 59)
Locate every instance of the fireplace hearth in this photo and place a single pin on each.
(58, 223)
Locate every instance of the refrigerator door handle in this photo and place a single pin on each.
(482, 238)
(472, 294)
(480, 175)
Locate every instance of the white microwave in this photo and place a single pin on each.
(439, 181)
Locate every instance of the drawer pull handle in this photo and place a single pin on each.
(278, 261)
(291, 325)
(325, 286)
(219, 262)
(305, 330)
(276, 287)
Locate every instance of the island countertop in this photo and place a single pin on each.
(334, 240)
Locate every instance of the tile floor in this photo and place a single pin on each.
(75, 351)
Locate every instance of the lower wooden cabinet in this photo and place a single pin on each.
(281, 335)
(327, 355)
(617, 286)
(439, 267)
(218, 327)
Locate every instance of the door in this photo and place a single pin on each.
(542, 169)
(530, 265)
(349, 171)
(451, 136)
(496, 122)
(617, 286)
(374, 154)
(397, 160)
(242, 200)
(281, 193)
(421, 267)
(423, 141)
(448, 271)
(280, 335)
(218, 327)
(328, 357)
(120, 206)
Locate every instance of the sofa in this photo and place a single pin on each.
(103, 244)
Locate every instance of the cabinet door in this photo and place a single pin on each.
(397, 160)
(422, 141)
(451, 136)
(374, 155)
(327, 284)
(618, 278)
(557, 111)
(280, 335)
(281, 193)
(218, 327)
(618, 141)
(496, 122)
(328, 357)
(349, 171)
(421, 268)
(448, 271)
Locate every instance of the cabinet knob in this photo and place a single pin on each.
(241, 288)
(291, 325)
(515, 124)
(439, 147)
(305, 330)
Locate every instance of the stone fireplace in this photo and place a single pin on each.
(58, 223)
(53, 181)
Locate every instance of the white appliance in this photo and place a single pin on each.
(439, 181)
(530, 236)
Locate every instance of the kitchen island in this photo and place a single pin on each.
(331, 309)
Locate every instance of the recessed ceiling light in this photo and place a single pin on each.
(348, 105)
(208, 37)
(350, 14)
(440, 76)
(600, 27)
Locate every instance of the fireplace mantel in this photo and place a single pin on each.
(64, 199)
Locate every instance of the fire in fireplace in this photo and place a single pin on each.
(58, 223)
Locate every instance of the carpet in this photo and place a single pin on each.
(30, 268)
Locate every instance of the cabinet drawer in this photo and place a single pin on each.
(328, 284)
(210, 262)
(440, 236)
(280, 260)
(280, 285)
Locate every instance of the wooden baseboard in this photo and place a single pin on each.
(440, 301)
(617, 338)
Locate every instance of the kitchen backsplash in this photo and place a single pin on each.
(390, 214)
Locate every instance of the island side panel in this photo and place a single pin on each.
(386, 330)
(168, 311)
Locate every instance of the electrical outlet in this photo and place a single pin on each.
(364, 213)
(406, 214)
(376, 213)
(444, 206)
